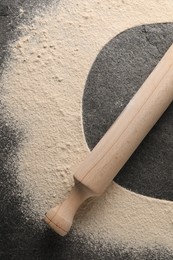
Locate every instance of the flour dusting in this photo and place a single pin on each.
(43, 86)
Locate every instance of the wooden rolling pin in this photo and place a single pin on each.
(95, 174)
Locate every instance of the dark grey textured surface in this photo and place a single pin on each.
(20, 237)
(117, 73)
(12, 12)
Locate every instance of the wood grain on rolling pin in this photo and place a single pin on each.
(130, 128)
(94, 175)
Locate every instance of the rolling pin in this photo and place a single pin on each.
(99, 168)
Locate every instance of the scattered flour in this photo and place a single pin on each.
(43, 82)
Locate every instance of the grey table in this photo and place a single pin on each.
(118, 71)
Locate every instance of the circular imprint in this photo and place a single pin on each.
(117, 73)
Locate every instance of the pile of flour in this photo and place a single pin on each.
(44, 80)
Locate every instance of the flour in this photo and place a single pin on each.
(43, 81)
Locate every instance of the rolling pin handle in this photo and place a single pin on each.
(60, 218)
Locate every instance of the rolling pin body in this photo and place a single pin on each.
(95, 174)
